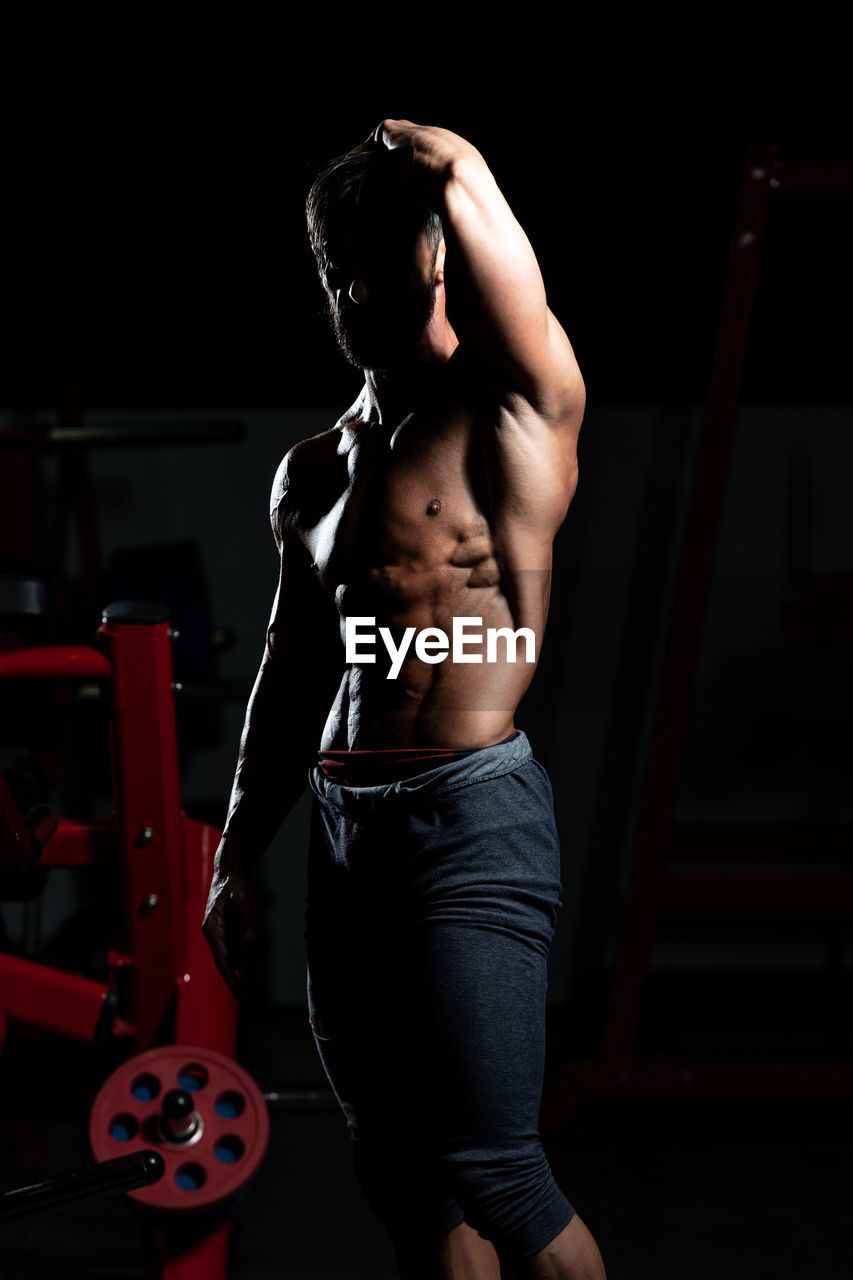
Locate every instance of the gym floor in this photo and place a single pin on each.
(686, 1188)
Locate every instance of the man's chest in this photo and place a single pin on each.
(414, 496)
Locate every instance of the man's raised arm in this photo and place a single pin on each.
(296, 683)
(493, 277)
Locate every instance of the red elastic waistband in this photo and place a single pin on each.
(355, 766)
(361, 768)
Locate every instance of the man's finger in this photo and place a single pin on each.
(392, 133)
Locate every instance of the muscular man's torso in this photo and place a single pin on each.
(449, 513)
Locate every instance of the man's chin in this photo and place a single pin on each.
(381, 343)
(378, 357)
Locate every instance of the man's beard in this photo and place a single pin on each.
(378, 336)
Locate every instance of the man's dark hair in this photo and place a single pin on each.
(361, 192)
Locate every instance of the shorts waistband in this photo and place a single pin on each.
(370, 767)
(469, 767)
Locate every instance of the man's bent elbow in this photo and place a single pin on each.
(278, 654)
(561, 390)
(574, 400)
(564, 406)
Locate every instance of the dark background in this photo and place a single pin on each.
(154, 259)
(155, 250)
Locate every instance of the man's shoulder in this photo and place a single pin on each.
(303, 458)
(301, 463)
(298, 468)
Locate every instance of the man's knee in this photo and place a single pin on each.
(510, 1197)
(573, 1254)
(406, 1191)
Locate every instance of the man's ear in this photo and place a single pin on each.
(441, 254)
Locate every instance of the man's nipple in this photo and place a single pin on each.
(433, 507)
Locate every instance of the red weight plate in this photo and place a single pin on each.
(230, 1138)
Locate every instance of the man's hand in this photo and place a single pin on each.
(426, 155)
(495, 289)
(229, 922)
(426, 139)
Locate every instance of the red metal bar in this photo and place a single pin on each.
(147, 800)
(207, 1011)
(688, 611)
(50, 999)
(205, 1260)
(654, 885)
(81, 844)
(54, 662)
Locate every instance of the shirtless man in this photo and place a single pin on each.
(424, 518)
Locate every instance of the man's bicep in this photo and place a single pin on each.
(304, 629)
(496, 290)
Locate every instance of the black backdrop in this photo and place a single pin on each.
(154, 251)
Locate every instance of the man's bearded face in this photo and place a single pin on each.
(381, 294)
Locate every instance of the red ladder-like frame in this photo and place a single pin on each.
(662, 880)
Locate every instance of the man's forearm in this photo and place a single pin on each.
(276, 749)
(498, 301)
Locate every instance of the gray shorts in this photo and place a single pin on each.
(432, 902)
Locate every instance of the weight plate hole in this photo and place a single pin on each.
(145, 1087)
(229, 1149)
(192, 1077)
(230, 1104)
(190, 1177)
(124, 1127)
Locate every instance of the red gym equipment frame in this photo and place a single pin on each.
(164, 986)
(700, 870)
